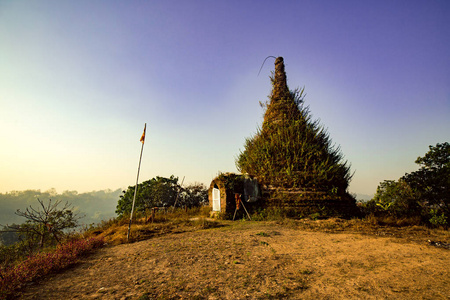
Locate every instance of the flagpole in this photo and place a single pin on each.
(137, 179)
(176, 199)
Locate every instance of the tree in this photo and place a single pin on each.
(396, 198)
(46, 224)
(156, 192)
(193, 195)
(432, 181)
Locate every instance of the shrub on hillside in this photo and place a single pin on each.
(43, 263)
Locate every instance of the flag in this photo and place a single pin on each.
(143, 135)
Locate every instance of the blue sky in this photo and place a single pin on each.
(78, 80)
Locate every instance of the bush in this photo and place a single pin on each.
(438, 220)
(16, 252)
(43, 263)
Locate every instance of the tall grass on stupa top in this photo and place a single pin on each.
(291, 150)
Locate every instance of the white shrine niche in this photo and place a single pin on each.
(216, 198)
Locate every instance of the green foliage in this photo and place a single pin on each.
(161, 192)
(424, 193)
(193, 195)
(15, 252)
(156, 192)
(396, 198)
(234, 183)
(291, 150)
(315, 216)
(438, 220)
(432, 181)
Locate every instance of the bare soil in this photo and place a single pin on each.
(331, 259)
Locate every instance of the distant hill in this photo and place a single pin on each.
(95, 206)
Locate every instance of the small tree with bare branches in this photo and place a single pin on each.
(46, 224)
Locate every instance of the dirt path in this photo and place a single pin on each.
(256, 261)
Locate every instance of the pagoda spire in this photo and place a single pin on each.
(280, 87)
(282, 106)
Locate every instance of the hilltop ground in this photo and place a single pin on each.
(305, 259)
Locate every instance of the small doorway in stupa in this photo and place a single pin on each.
(216, 198)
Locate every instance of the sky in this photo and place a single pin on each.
(79, 79)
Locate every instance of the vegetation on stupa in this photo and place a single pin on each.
(291, 150)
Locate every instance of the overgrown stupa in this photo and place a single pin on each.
(293, 157)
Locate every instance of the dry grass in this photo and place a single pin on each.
(143, 227)
(196, 258)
